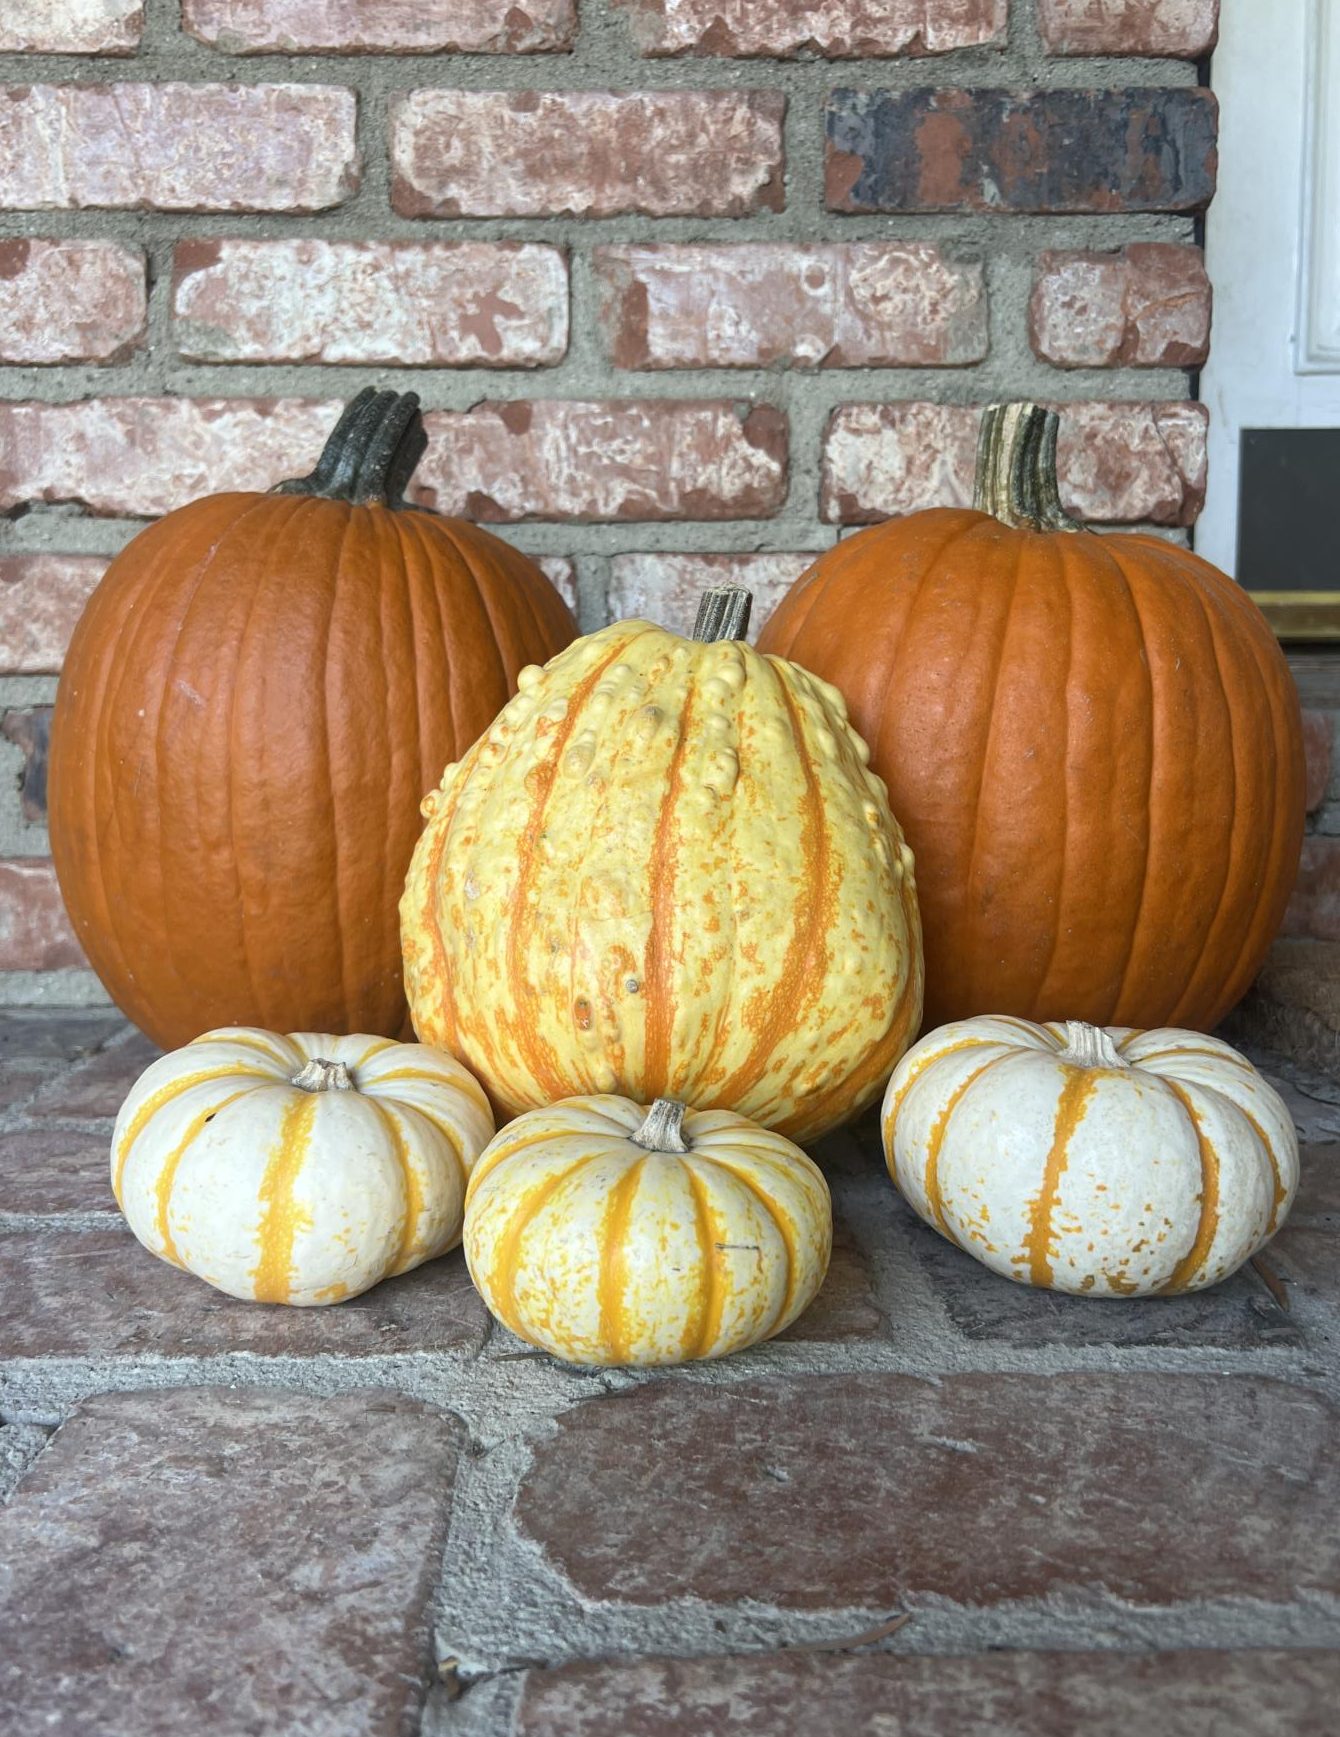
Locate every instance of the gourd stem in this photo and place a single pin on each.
(1089, 1046)
(371, 453)
(723, 613)
(320, 1075)
(1016, 469)
(662, 1129)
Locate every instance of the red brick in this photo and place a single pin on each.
(93, 1090)
(868, 304)
(97, 1293)
(70, 301)
(71, 26)
(1319, 746)
(530, 153)
(972, 1488)
(1145, 306)
(177, 147)
(667, 588)
(442, 304)
(381, 26)
(841, 29)
(41, 598)
(996, 1694)
(35, 933)
(29, 728)
(1184, 28)
(930, 148)
(1314, 910)
(216, 1559)
(144, 456)
(650, 459)
(54, 1171)
(1119, 463)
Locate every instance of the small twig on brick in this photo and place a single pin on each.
(849, 1643)
(1272, 1281)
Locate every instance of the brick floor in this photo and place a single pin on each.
(391, 1516)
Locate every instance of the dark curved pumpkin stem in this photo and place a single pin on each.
(1016, 469)
(371, 453)
(723, 613)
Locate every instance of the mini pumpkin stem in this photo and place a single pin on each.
(723, 613)
(1089, 1046)
(320, 1075)
(662, 1129)
(371, 453)
(1016, 469)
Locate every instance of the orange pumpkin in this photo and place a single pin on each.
(1093, 745)
(255, 700)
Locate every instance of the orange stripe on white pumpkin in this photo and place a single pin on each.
(283, 1217)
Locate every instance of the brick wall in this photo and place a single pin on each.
(685, 284)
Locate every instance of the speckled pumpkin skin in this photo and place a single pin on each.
(666, 871)
(277, 1194)
(600, 1252)
(1163, 1173)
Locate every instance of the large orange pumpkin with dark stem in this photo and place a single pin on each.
(1093, 744)
(259, 693)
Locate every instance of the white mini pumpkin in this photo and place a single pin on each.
(298, 1169)
(608, 1233)
(1103, 1162)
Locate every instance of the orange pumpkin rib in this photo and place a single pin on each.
(524, 1212)
(1075, 1093)
(658, 963)
(612, 1282)
(1196, 1256)
(281, 1219)
(704, 1330)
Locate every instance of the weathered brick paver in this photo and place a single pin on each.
(212, 1560)
(1093, 1516)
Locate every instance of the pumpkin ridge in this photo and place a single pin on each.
(656, 973)
(122, 656)
(1134, 928)
(167, 1094)
(448, 1134)
(612, 1280)
(879, 1062)
(705, 1329)
(1075, 1093)
(521, 1023)
(1001, 648)
(931, 1173)
(784, 1009)
(167, 1176)
(504, 1255)
(1060, 546)
(386, 1114)
(786, 1230)
(238, 650)
(1228, 854)
(281, 1217)
(337, 830)
(891, 1110)
(1196, 1256)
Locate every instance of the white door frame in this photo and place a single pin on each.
(1272, 240)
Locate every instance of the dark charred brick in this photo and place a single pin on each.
(930, 149)
(30, 730)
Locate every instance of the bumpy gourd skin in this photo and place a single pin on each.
(666, 871)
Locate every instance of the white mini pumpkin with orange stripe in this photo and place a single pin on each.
(298, 1169)
(1110, 1163)
(607, 1233)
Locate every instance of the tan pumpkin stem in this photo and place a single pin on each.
(1016, 469)
(663, 1127)
(1089, 1046)
(371, 453)
(320, 1075)
(723, 613)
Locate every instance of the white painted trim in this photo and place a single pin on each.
(1254, 248)
(1318, 347)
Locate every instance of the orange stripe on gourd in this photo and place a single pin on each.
(1075, 1094)
(703, 1330)
(167, 1176)
(612, 1282)
(931, 1180)
(282, 1217)
(165, 1095)
(1195, 1257)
